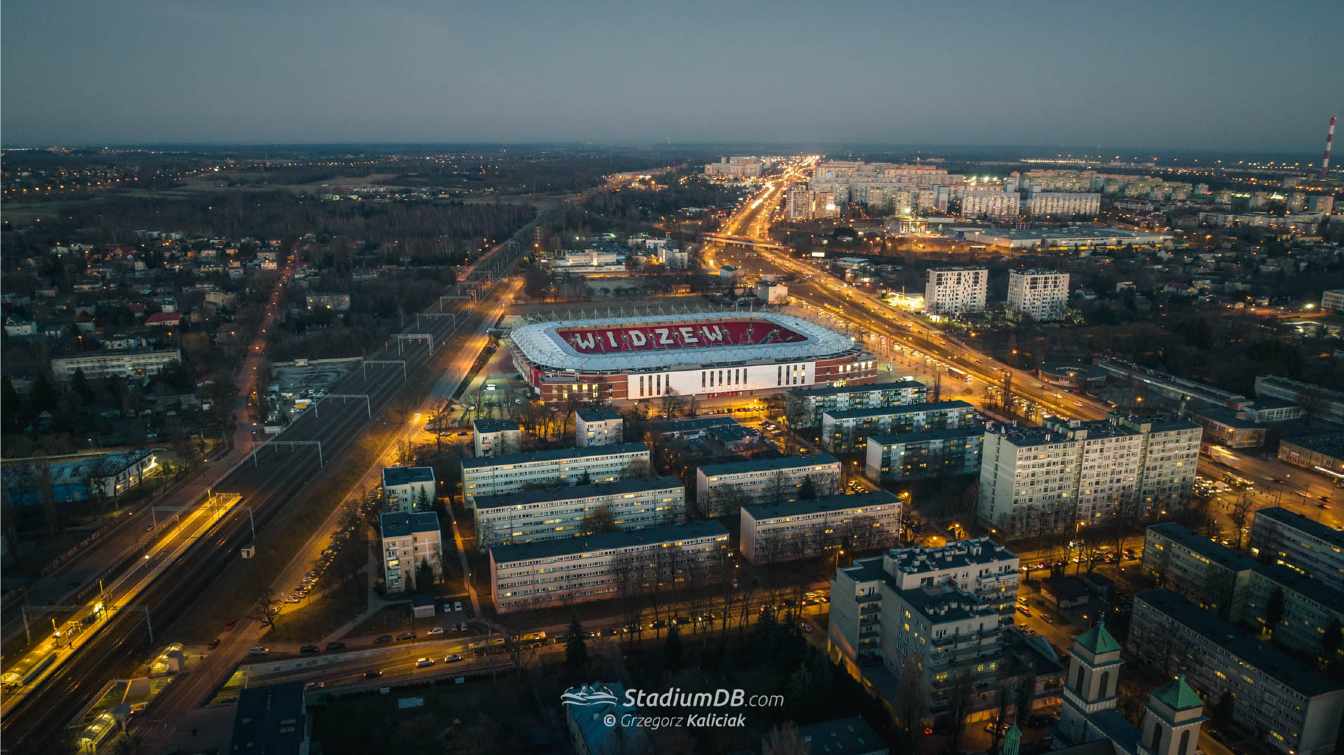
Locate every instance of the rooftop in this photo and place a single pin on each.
(836, 390)
(403, 523)
(1219, 554)
(1178, 695)
(555, 454)
(566, 493)
(1259, 655)
(980, 550)
(690, 424)
(1307, 525)
(597, 413)
(945, 603)
(843, 736)
(945, 433)
(494, 425)
(767, 464)
(270, 720)
(406, 475)
(760, 511)
(1330, 444)
(888, 411)
(672, 533)
(1098, 640)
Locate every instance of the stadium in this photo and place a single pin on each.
(707, 355)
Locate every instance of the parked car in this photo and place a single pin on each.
(454, 658)
(406, 636)
(333, 647)
(383, 639)
(424, 663)
(435, 632)
(214, 643)
(258, 650)
(372, 674)
(309, 649)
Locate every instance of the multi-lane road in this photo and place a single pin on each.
(827, 297)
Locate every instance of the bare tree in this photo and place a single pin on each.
(599, 520)
(1239, 512)
(266, 609)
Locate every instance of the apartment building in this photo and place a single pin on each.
(1281, 701)
(736, 167)
(1042, 295)
(990, 204)
(806, 405)
(597, 426)
(720, 488)
(1332, 300)
(410, 540)
(99, 365)
(848, 430)
(1240, 589)
(511, 473)
(607, 565)
(1063, 203)
(790, 531)
(496, 437)
(1300, 543)
(978, 566)
(956, 290)
(533, 516)
(924, 453)
(1208, 574)
(409, 488)
(1076, 473)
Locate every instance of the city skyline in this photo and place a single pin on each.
(1032, 75)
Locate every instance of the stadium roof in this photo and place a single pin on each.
(542, 344)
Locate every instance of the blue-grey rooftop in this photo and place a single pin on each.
(572, 492)
(502, 554)
(393, 476)
(767, 464)
(403, 523)
(597, 413)
(762, 511)
(836, 390)
(887, 411)
(494, 425)
(555, 454)
(1304, 524)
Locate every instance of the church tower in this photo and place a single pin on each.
(1091, 682)
(1171, 721)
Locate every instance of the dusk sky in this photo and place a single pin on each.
(1222, 75)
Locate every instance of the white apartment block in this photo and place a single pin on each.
(1333, 300)
(978, 566)
(605, 566)
(496, 437)
(721, 486)
(562, 466)
(990, 204)
(1284, 704)
(1063, 204)
(107, 364)
(791, 531)
(409, 540)
(956, 290)
(1039, 294)
(597, 426)
(1300, 543)
(806, 405)
(1040, 480)
(409, 488)
(534, 516)
(848, 430)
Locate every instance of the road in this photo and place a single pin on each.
(889, 330)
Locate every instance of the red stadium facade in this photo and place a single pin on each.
(708, 355)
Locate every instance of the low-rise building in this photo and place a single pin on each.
(409, 488)
(1281, 701)
(510, 473)
(1318, 400)
(1322, 451)
(806, 405)
(605, 566)
(271, 719)
(848, 430)
(1300, 543)
(411, 540)
(721, 488)
(597, 426)
(496, 437)
(924, 453)
(790, 531)
(532, 516)
(1332, 300)
(99, 365)
(1228, 427)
